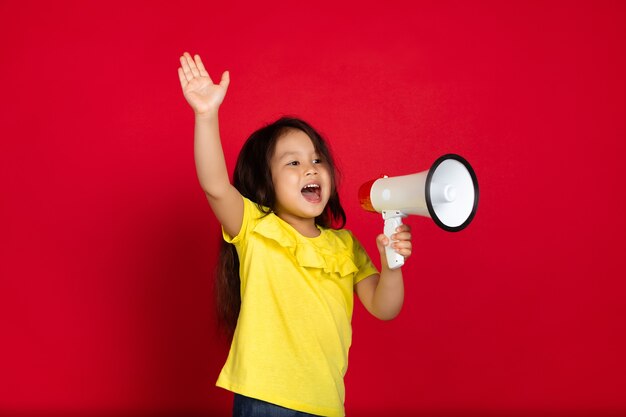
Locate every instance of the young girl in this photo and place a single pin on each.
(287, 276)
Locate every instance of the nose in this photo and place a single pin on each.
(311, 170)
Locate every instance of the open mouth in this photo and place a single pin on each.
(312, 193)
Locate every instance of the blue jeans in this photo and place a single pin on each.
(251, 407)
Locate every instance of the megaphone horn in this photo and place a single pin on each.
(447, 193)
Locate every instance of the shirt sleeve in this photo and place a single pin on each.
(249, 210)
(362, 261)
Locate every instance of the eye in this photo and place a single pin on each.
(294, 163)
(317, 161)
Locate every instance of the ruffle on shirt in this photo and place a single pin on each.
(328, 252)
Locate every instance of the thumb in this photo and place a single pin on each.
(225, 79)
(381, 242)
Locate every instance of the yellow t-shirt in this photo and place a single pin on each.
(293, 334)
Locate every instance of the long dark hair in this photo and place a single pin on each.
(253, 179)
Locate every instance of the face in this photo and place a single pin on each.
(301, 178)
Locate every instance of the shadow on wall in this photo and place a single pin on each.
(170, 252)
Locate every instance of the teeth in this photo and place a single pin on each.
(312, 186)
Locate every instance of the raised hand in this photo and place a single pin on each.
(203, 96)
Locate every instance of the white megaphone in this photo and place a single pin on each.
(447, 193)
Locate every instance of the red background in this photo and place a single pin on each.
(108, 244)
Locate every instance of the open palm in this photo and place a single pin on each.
(199, 90)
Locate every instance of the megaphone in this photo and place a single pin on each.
(447, 193)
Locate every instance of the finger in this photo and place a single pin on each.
(200, 65)
(192, 65)
(225, 81)
(403, 228)
(400, 245)
(403, 248)
(186, 70)
(181, 77)
(404, 252)
(401, 236)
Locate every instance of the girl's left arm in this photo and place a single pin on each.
(383, 294)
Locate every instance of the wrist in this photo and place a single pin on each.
(206, 115)
(388, 272)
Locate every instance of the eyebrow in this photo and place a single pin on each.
(288, 153)
(295, 153)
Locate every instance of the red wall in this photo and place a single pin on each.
(107, 242)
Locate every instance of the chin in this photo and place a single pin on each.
(313, 213)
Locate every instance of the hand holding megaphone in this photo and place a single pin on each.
(447, 193)
(395, 242)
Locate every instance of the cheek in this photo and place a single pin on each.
(329, 180)
(284, 184)
(326, 173)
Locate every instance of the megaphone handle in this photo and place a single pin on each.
(393, 220)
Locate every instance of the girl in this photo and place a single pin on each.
(287, 277)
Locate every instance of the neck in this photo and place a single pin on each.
(306, 227)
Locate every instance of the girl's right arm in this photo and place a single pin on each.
(205, 98)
